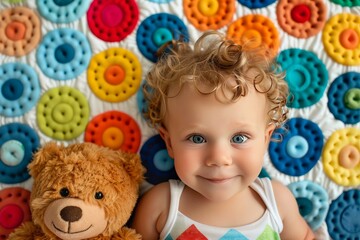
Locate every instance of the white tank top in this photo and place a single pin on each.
(180, 227)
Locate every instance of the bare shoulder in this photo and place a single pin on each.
(295, 227)
(152, 210)
(283, 196)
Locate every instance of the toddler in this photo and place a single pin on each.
(216, 105)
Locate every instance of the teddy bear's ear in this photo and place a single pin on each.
(132, 165)
(47, 152)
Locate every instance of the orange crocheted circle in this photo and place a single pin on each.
(341, 36)
(209, 14)
(114, 129)
(301, 18)
(20, 31)
(255, 30)
(349, 38)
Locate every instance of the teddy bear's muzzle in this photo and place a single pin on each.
(70, 218)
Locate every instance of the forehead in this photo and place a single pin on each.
(190, 105)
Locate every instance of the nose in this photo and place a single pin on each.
(71, 213)
(218, 155)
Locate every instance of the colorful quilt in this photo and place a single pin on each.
(71, 71)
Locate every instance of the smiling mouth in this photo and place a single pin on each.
(218, 180)
(69, 232)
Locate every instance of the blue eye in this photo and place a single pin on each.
(197, 139)
(239, 138)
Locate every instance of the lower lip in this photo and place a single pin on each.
(218, 181)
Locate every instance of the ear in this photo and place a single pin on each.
(132, 164)
(42, 156)
(268, 132)
(164, 133)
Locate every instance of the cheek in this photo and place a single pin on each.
(186, 161)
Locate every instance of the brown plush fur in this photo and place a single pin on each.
(84, 169)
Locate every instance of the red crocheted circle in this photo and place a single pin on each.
(14, 209)
(112, 20)
(301, 13)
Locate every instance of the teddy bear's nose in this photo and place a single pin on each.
(71, 213)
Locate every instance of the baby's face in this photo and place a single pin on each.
(218, 148)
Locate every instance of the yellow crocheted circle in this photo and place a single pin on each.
(344, 169)
(341, 36)
(114, 75)
(208, 7)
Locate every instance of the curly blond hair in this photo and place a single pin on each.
(211, 62)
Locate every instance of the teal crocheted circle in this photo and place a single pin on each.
(347, 3)
(306, 75)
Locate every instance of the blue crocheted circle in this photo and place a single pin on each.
(338, 98)
(19, 89)
(289, 164)
(12, 153)
(312, 200)
(343, 216)
(252, 4)
(140, 99)
(27, 137)
(63, 54)
(12, 89)
(156, 30)
(62, 11)
(156, 160)
(306, 75)
(297, 147)
(263, 173)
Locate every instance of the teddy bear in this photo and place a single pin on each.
(82, 191)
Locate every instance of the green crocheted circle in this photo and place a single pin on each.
(62, 113)
(347, 3)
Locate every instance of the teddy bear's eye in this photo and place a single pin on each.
(64, 192)
(99, 195)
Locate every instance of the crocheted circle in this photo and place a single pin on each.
(62, 113)
(297, 162)
(156, 160)
(209, 14)
(17, 144)
(347, 3)
(114, 129)
(112, 20)
(12, 153)
(14, 209)
(341, 38)
(301, 18)
(343, 216)
(20, 31)
(62, 11)
(252, 4)
(255, 30)
(63, 54)
(263, 173)
(114, 75)
(341, 157)
(158, 29)
(312, 200)
(344, 97)
(141, 101)
(306, 75)
(19, 89)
